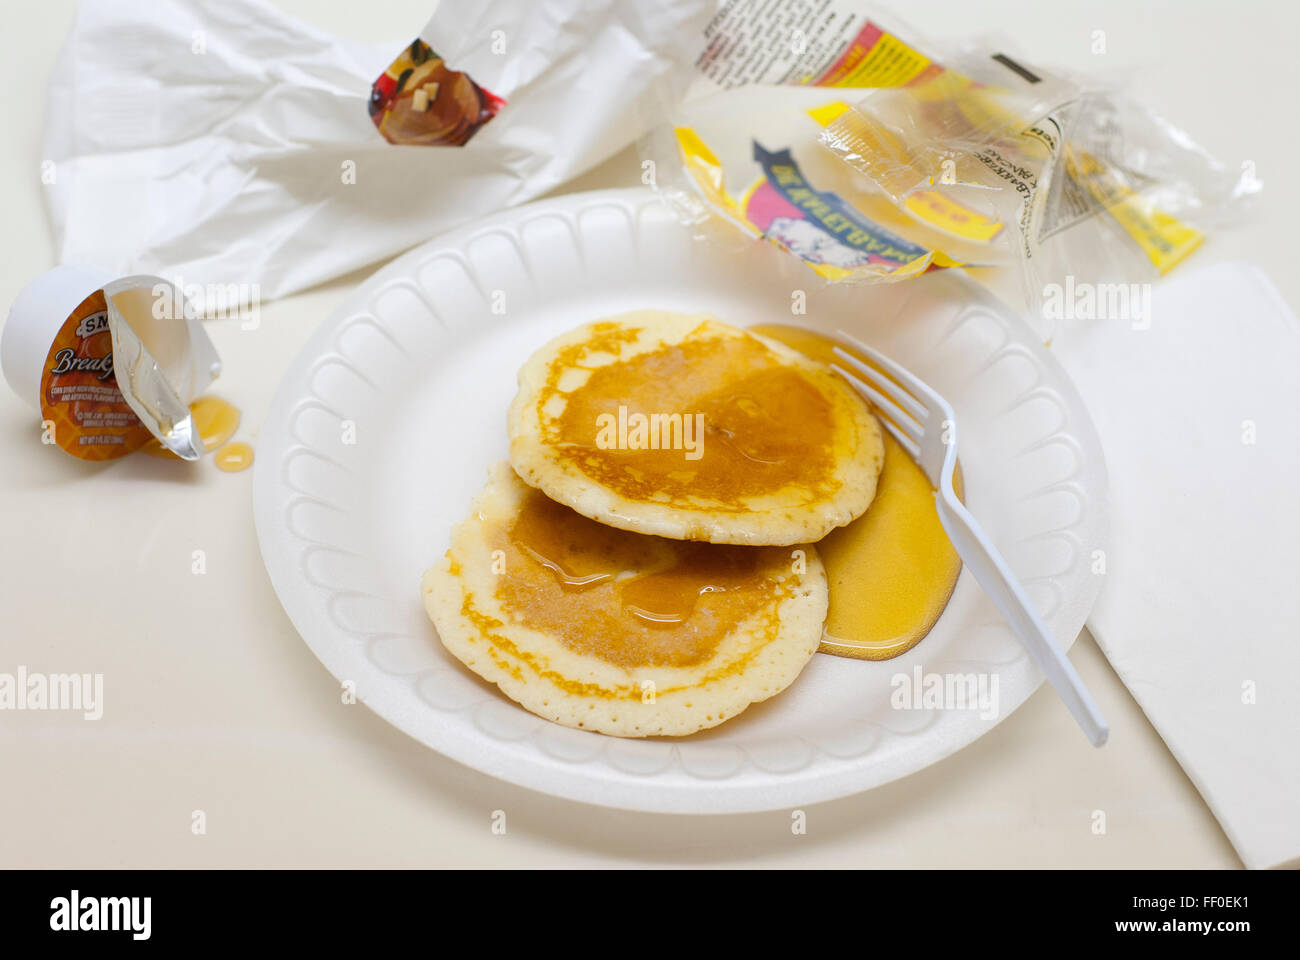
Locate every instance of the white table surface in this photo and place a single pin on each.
(213, 703)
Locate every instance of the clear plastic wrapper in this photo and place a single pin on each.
(751, 156)
(1095, 195)
(965, 158)
(747, 151)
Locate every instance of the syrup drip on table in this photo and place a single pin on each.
(215, 421)
(234, 457)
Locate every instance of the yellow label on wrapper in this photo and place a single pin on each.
(1165, 240)
(944, 213)
(705, 168)
(875, 59)
(833, 236)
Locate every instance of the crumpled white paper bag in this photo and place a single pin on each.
(223, 142)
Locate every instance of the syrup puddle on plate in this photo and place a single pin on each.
(892, 571)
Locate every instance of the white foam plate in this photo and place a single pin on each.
(385, 424)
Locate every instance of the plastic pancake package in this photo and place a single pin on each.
(223, 143)
(965, 157)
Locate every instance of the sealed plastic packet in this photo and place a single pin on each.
(1099, 195)
(1133, 197)
(964, 150)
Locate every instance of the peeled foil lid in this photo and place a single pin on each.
(162, 357)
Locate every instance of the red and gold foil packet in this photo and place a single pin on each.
(418, 100)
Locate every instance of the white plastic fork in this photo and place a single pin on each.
(926, 427)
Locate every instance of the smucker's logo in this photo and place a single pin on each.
(68, 360)
(93, 324)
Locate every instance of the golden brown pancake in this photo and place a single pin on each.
(681, 426)
(618, 632)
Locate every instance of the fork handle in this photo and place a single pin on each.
(990, 569)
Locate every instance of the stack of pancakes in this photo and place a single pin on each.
(643, 565)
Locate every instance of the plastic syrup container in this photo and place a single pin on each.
(111, 363)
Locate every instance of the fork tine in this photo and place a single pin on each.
(923, 395)
(893, 419)
(906, 442)
(899, 399)
(886, 395)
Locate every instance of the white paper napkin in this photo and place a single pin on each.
(1199, 416)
